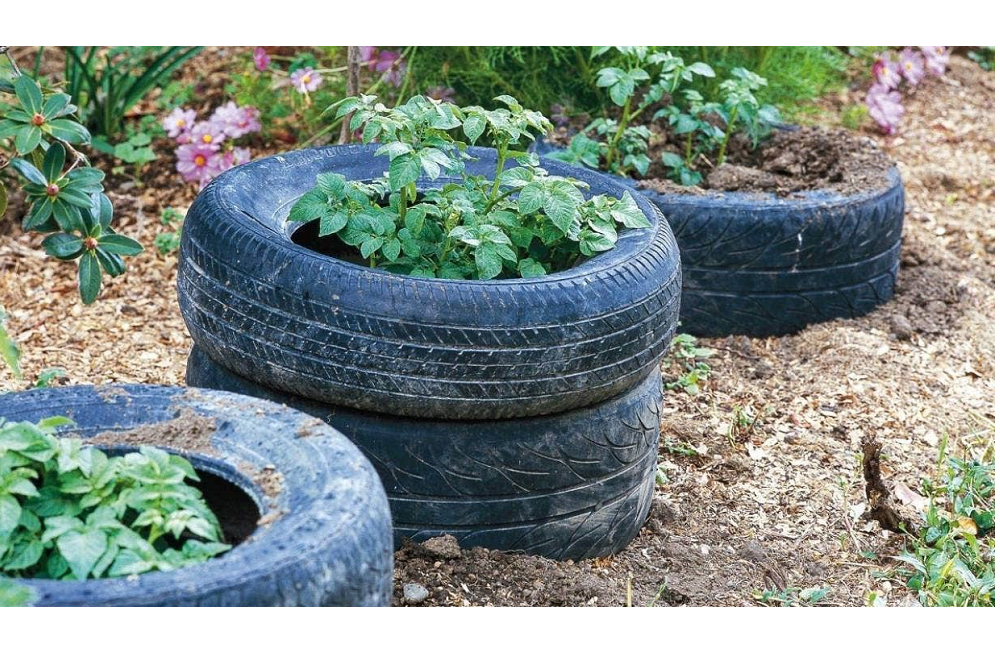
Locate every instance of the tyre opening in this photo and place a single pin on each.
(237, 512)
(307, 235)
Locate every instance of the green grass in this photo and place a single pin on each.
(540, 76)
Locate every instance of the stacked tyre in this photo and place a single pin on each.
(516, 414)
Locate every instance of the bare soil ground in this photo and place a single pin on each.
(777, 505)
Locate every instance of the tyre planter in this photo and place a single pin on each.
(302, 322)
(324, 535)
(575, 485)
(762, 265)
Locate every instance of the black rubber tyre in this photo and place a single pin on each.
(328, 538)
(764, 268)
(763, 265)
(573, 485)
(302, 322)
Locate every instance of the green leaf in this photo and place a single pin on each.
(474, 126)
(25, 556)
(10, 514)
(702, 69)
(112, 263)
(561, 204)
(27, 139)
(371, 245)
(69, 131)
(3, 199)
(55, 104)
(63, 246)
(82, 550)
(531, 198)
(404, 171)
(89, 277)
(39, 216)
(332, 221)
(28, 93)
(488, 264)
(394, 149)
(391, 249)
(119, 244)
(672, 159)
(67, 216)
(55, 159)
(311, 206)
(332, 185)
(529, 267)
(627, 213)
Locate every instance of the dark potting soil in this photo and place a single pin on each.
(788, 162)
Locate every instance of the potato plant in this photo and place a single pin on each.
(70, 511)
(652, 79)
(521, 222)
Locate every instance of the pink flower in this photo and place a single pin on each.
(937, 58)
(884, 107)
(178, 122)
(236, 121)
(198, 163)
(911, 65)
(234, 157)
(208, 133)
(367, 54)
(392, 67)
(261, 60)
(885, 71)
(306, 80)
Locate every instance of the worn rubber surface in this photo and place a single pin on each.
(328, 542)
(761, 265)
(573, 485)
(302, 322)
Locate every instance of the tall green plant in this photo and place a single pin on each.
(105, 83)
(65, 194)
(521, 222)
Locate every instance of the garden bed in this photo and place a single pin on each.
(776, 508)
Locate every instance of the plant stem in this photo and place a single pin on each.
(613, 143)
(725, 139)
(687, 150)
(501, 158)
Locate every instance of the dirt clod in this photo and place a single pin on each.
(188, 431)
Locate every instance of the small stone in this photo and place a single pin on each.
(444, 546)
(414, 593)
(901, 327)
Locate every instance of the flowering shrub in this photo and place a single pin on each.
(890, 71)
(524, 222)
(65, 194)
(206, 148)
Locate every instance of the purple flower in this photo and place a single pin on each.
(442, 93)
(236, 121)
(208, 133)
(884, 107)
(937, 58)
(367, 55)
(261, 60)
(306, 80)
(392, 67)
(911, 65)
(885, 71)
(178, 122)
(198, 163)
